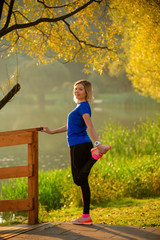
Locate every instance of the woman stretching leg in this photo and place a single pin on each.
(80, 143)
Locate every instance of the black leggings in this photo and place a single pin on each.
(81, 164)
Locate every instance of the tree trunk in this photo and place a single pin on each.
(9, 95)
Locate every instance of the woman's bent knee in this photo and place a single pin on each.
(77, 181)
(81, 181)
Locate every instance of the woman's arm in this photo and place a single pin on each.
(102, 148)
(90, 126)
(58, 130)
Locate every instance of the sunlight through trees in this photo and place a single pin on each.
(103, 34)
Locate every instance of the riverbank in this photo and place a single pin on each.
(126, 212)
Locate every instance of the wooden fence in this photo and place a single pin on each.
(30, 137)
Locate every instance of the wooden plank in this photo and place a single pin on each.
(15, 132)
(30, 137)
(11, 140)
(16, 172)
(10, 231)
(33, 181)
(16, 205)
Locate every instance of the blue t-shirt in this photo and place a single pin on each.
(76, 127)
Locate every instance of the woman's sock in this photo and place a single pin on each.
(85, 215)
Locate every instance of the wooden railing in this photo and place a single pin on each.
(30, 137)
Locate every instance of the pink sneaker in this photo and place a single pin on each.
(83, 221)
(95, 153)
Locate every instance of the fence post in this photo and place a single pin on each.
(33, 180)
(20, 137)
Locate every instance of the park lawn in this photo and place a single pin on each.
(129, 212)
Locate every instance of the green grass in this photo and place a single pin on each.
(127, 211)
(130, 212)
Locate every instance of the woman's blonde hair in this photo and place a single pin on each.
(88, 88)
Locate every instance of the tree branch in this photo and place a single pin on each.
(25, 19)
(9, 95)
(64, 5)
(5, 30)
(82, 41)
(9, 14)
(1, 8)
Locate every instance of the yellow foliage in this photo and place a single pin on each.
(104, 35)
(139, 24)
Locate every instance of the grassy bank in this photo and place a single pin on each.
(128, 211)
(131, 169)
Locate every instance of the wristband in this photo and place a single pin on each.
(97, 143)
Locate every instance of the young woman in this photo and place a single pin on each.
(80, 143)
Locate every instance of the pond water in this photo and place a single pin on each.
(53, 149)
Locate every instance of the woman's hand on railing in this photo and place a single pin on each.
(45, 129)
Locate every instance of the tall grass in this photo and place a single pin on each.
(130, 169)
